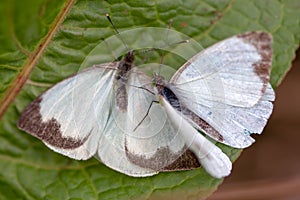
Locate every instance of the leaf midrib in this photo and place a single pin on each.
(32, 59)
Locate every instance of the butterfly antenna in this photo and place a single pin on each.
(170, 27)
(116, 30)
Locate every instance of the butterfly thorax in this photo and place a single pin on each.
(125, 66)
(166, 92)
(160, 83)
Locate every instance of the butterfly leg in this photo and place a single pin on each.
(146, 114)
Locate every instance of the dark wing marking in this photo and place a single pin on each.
(185, 161)
(263, 44)
(160, 161)
(49, 131)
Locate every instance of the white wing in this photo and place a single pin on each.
(70, 117)
(111, 150)
(236, 124)
(153, 146)
(227, 87)
(234, 71)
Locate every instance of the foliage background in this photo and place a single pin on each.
(44, 41)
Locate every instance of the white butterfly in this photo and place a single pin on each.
(230, 88)
(223, 91)
(98, 111)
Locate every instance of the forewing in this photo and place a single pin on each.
(70, 117)
(234, 71)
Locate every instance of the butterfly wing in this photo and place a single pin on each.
(112, 151)
(234, 125)
(227, 87)
(143, 149)
(155, 143)
(70, 117)
(234, 71)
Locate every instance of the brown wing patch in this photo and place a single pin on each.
(186, 161)
(165, 160)
(263, 43)
(49, 131)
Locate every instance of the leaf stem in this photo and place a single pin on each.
(32, 59)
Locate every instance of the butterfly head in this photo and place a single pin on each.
(159, 82)
(129, 58)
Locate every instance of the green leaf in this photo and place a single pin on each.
(28, 169)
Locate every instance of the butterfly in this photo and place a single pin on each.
(109, 110)
(224, 92)
(227, 87)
